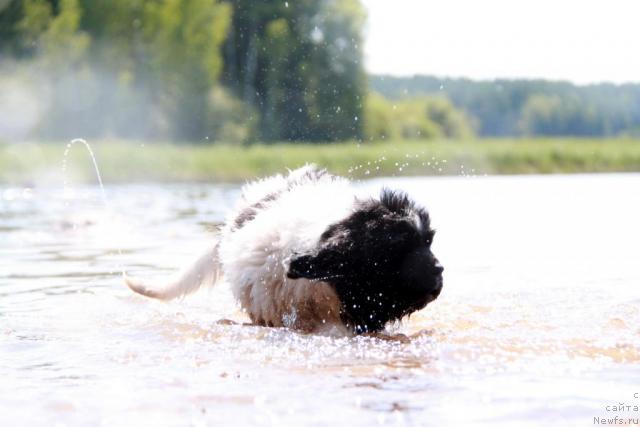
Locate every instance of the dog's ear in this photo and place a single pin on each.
(328, 262)
(301, 267)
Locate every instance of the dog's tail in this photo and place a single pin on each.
(205, 271)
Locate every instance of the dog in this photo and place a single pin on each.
(308, 252)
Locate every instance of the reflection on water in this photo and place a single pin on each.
(538, 322)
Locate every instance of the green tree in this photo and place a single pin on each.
(414, 118)
(152, 68)
(299, 64)
(553, 115)
(453, 123)
(10, 13)
(53, 36)
(56, 36)
(182, 40)
(379, 120)
(413, 121)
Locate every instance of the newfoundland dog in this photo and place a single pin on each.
(307, 251)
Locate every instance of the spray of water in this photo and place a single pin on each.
(95, 167)
(103, 194)
(422, 163)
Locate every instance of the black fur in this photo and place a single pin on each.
(379, 261)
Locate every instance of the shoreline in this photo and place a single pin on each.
(140, 162)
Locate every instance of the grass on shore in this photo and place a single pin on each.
(160, 162)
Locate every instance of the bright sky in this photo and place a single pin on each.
(583, 41)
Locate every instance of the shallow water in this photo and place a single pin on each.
(538, 323)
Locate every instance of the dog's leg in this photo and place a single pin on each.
(205, 271)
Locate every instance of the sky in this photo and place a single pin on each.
(583, 41)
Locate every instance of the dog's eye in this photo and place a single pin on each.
(430, 235)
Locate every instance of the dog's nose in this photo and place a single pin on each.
(438, 269)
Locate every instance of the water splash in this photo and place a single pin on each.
(422, 163)
(95, 167)
(103, 194)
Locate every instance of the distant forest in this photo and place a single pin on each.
(528, 107)
(183, 70)
(244, 71)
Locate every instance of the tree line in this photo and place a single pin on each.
(528, 107)
(193, 70)
(242, 71)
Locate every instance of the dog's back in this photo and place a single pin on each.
(276, 219)
(258, 195)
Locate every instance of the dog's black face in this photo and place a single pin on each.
(379, 261)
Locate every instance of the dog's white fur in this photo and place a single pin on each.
(254, 258)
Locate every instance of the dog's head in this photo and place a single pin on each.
(379, 261)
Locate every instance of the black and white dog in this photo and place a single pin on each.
(307, 252)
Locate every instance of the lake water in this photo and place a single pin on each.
(538, 322)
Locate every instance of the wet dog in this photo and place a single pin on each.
(307, 252)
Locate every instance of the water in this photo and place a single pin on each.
(538, 323)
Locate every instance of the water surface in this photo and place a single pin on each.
(538, 323)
